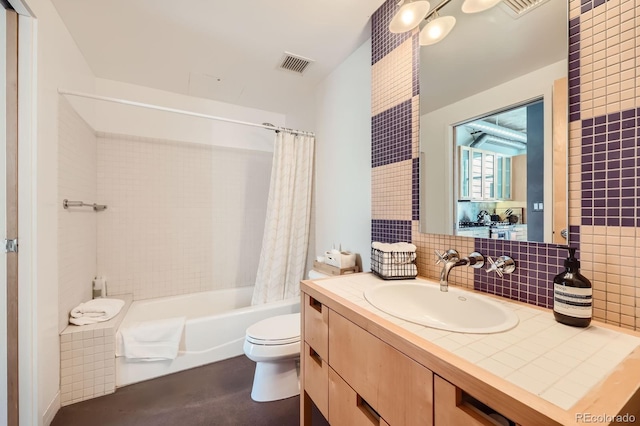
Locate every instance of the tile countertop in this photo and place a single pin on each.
(556, 362)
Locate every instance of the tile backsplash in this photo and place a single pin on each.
(604, 163)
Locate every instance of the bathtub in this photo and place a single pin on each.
(214, 329)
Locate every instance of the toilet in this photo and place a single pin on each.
(274, 345)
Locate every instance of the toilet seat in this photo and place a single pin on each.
(278, 330)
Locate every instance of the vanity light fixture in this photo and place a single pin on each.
(409, 16)
(411, 13)
(475, 6)
(436, 29)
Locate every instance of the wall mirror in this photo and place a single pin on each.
(493, 124)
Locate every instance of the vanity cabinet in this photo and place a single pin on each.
(361, 380)
(362, 369)
(483, 175)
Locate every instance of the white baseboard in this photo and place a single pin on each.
(51, 410)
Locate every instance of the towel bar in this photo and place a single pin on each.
(96, 207)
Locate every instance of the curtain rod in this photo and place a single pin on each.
(182, 111)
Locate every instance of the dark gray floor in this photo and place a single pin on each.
(215, 394)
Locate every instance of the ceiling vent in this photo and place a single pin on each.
(294, 63)
(517, 8)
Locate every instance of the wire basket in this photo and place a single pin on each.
(394, 265)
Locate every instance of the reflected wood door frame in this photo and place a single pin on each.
(12, 214)
(560, 156)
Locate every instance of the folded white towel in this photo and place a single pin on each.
(96, 310)
(388, 248)
(153, 340)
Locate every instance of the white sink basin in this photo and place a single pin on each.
(455, 310)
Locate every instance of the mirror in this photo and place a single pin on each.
(493, 125)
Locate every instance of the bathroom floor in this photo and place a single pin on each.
(215, 394)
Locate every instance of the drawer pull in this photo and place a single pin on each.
(476, 408)
(368, 410)
(314, 356)
(315, 304)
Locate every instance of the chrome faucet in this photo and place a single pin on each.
(452, 259)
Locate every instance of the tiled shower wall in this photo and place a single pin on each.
(182, 217)
(604, 146)
(77, 181)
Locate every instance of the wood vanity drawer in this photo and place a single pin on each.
(316, 379)
(346, 407)
(398, 388)
(316, 326)
(451, 408)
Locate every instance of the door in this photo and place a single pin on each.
(9, 215)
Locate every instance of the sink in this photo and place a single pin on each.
(456, 310)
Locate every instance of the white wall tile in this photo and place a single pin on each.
(77, 181)
(182, 217)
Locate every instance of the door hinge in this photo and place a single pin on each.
(11, 246)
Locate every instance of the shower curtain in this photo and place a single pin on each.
(286, 231)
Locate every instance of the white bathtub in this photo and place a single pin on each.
(214, 330)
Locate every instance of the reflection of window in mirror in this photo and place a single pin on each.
(500, 174)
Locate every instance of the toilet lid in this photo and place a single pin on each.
(278, 330)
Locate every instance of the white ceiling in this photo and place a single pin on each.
(486, 49)
(223, 50)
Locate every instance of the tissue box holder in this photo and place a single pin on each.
(340, 260)
(395, 265)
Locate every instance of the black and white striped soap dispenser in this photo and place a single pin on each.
(572, 294)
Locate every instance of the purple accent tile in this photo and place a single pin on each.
(615, 136)
(415, 64)
(383, 41)
(627, 213)
(415, 189)
(390, 231)
(574, 47)
(626, 124)
(628, 133)
(628, 113)
(391, 135)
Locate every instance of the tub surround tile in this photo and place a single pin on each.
(87, 358)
